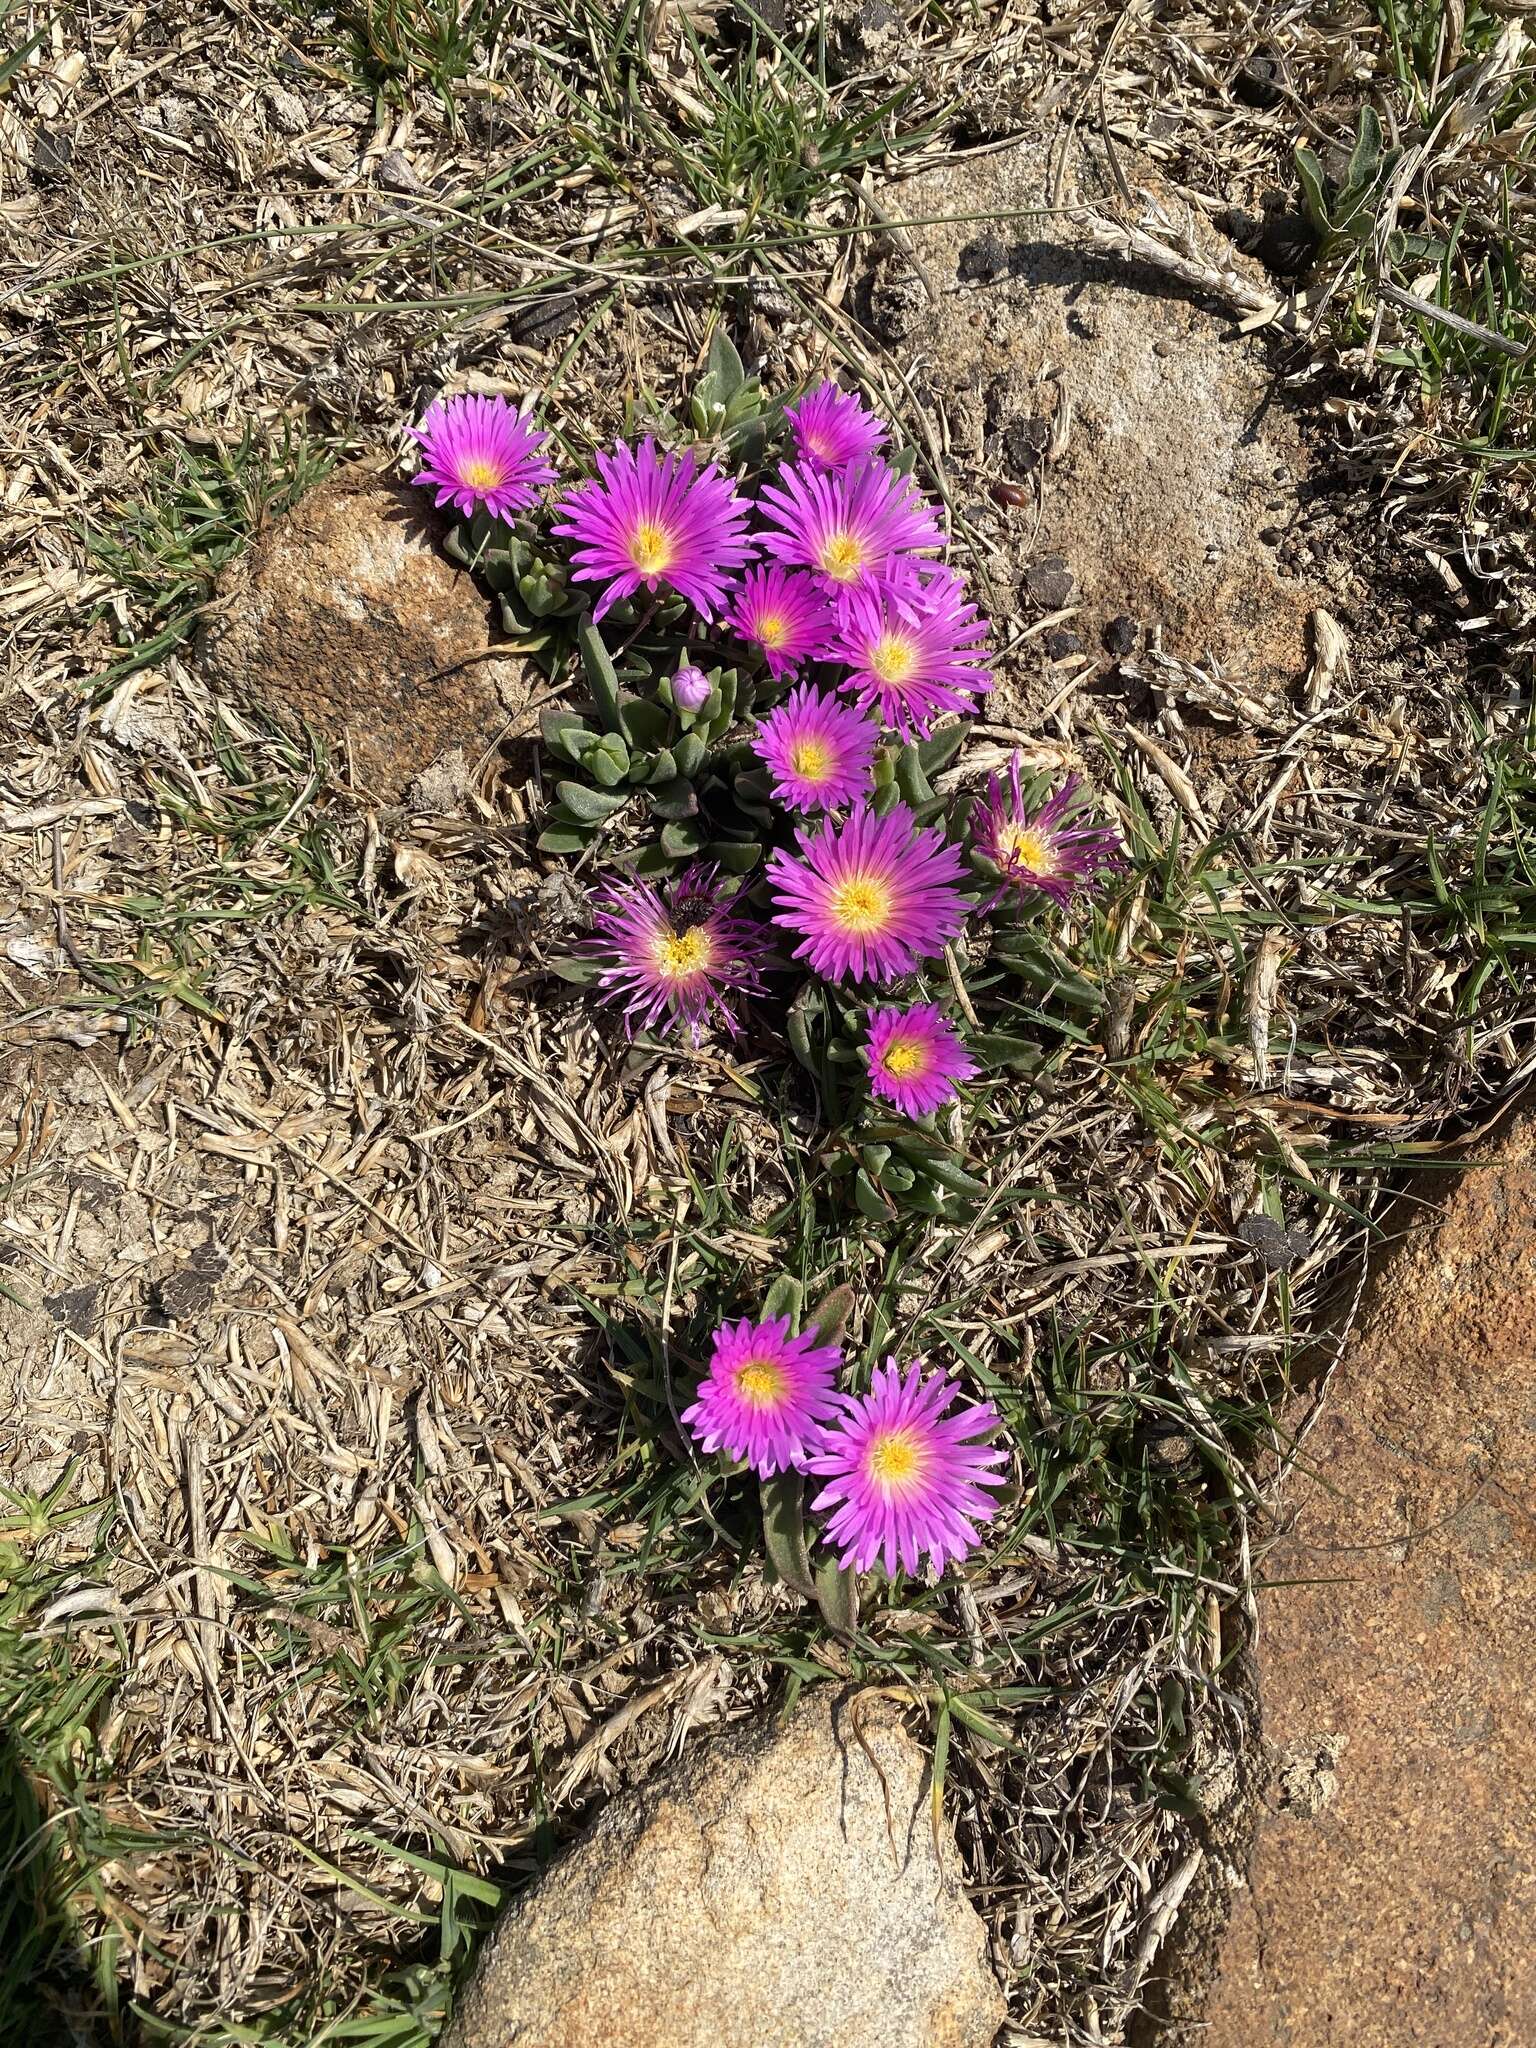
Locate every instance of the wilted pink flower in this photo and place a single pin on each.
(906, 1477)
(818, 751)
(649, 518)
(480, 452)
(911, 645)
(785, 613)
(677, 951)
(691, 688)
(1045, 852)
(915, 1056)
(764, 1394)
(870, 897)
(833, 429)
(847, 526)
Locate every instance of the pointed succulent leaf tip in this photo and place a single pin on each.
(477, 452)
(652, 519)
(907, 1472)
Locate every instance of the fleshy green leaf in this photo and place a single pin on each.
(783, 1499)
(784, 1298)
(600, 672)
(591, 806)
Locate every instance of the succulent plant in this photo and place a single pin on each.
(646, 750)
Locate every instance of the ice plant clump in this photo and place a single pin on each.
(652, 518)
(905, 1476)
(783, 612)
(833, 429)
(765, 1394)
(480, 452)
(690, 688)
(910, 642)
(819, 752)
(1045, 852)
(871, 897)
(915, 1057)
(677, 953)
(847, 526)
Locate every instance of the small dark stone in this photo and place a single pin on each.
(896, 302)
(1119, 636)
(1060, 644)
(1241, 228)
(53, 151)
(1025, 442)
(1279, 1246)
(1256, 84)
(983, 259)
(185, 1293)
(1049, 583)
(542, 320)
(1286, 244)
(75, 1308)
(1271, 535)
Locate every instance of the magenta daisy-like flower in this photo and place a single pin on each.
(651, 518)
(1048, 851)
(480, 452)
(847, 526)
(915, 1057)
(765, 1394)
(818, 751)
(675, 953)
(911, 645)
(833, 429)
(870, 897)
(787, 614)
(906, 1476)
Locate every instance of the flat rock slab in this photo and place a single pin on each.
(777, 1889)
(346, 615)
(1392, 1888)
(1158, 466)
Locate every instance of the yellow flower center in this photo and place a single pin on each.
(772, 630)
(861, 904)
(760, 1382)
(483, 475)
(893, 658)
(904, 1058)
(811, 760)
(842, 557)
(650, 548)
(680, 954)
(1023, 847)
(896, 1461)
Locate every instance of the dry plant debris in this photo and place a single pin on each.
(349, 1553)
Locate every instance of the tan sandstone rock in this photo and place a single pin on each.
(347, 615)
(760, 1895)
(1391, 1896)
(1158, 467)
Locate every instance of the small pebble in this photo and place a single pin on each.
(1119, 636)
(1060, 644)
(1049, 583)
(982, 260)
(1025, 442)
(1256, 84)
(289, 114)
